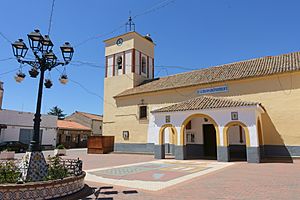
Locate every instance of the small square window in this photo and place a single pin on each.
(168, 118)
(126, 135)
(190, 137)
(144, 65)
(234, 116)
(143, 112)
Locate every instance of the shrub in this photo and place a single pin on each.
(9, 172)
(56, 170)
(60, 146)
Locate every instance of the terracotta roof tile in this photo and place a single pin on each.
(71, 125)
(91, 116)
(239, 70)
(205, 102)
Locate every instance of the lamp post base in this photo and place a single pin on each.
(34, 166)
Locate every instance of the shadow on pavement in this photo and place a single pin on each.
(277, 160)
(96, 193)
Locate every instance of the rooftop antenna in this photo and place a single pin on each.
(130, 25)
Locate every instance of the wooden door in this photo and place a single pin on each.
(210, 140)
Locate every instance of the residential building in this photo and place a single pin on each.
(245, 109)
(72, 134)
(18, 126)
(93, 121)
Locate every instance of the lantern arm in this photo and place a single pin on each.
(55, 64)
(29, 62)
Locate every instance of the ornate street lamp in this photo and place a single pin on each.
(19, 49)
(67, 52)
(35, 38)
(34, 164)
(46, 44)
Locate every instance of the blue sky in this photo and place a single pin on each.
(187, 33)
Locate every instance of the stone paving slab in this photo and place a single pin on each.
(153, 175)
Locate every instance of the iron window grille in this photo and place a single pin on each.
(143, 112)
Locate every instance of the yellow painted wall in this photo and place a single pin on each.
(279, 95)
(116, 119)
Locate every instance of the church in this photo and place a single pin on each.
(244, 110)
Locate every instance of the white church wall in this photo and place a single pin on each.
(128, 62)
(110, 61)
(246, 115)
(234, 136)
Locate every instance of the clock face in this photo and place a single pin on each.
(119, 42)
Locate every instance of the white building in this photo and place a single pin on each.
(18, 126)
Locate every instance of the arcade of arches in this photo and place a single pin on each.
(200, 136)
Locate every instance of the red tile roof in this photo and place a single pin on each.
(71, 125)
(205, 102)
(91, 116)
(258, 67)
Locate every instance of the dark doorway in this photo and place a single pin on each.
(78, 141)
(210, 141)
(237, 148)
(59, 139)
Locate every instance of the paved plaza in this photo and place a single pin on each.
(276, 179)
(153, 175)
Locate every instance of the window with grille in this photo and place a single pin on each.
(190, 137)
(143, 112)
(144, 65)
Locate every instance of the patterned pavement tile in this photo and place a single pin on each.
(153, 175)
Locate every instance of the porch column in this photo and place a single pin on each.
(180, 147)
(253, 154)
(223, 153)
(180, 152)
(159, 151)
(222, 147)
(253, 149)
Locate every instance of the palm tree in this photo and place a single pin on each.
(57, 112)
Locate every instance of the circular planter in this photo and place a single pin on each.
(44, 189)
(60, 152)
(7, 155)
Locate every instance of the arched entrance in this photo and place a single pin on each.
(199, 135)
(236, 138)
(172, 135)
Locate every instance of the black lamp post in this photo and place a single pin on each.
(45, 59)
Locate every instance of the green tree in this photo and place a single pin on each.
(57, 112)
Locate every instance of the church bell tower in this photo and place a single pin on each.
(129, 61)
(130, 54)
